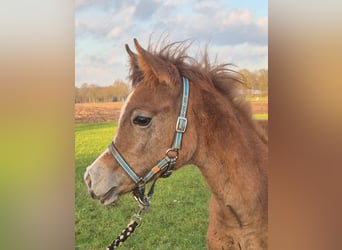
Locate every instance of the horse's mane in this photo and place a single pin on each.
(221, 77)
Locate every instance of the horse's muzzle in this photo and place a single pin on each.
(106, 191)
(87, 179)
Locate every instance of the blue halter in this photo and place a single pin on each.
(171, 154)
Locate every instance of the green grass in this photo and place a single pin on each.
(179, 208)
(260, 117)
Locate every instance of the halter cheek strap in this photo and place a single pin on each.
(168, 161)
(171, 154)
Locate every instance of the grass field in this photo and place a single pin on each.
(260, 117)
(179, 208)
(256, 98)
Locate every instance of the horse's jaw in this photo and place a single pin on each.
(110, 198)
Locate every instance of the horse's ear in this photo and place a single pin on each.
(153, 67)
(136, 74)
(131, 54)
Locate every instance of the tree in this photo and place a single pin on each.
(249, 79)
(256, 80)
(120, 90)
(263, 79)
(94, 93)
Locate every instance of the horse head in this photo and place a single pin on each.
(145, 132)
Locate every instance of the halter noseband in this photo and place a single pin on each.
(171, 154)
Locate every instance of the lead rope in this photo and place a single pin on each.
(127, 231)
(143, 203)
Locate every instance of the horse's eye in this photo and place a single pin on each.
(142, 121)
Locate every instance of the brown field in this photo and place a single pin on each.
(259, 107)
(109, 111)
(97, 112)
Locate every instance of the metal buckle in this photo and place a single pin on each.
(181, 124)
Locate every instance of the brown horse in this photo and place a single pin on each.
(219, 137)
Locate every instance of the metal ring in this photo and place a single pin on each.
(172, 150)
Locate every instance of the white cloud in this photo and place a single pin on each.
(178, 3)
(104, 26)
(244, 55)
(238, 17)
(146, 8)
(115, 32)
(263, 23)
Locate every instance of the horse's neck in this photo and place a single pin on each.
(232, 158)
(239, 187)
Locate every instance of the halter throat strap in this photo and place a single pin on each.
(171, 154)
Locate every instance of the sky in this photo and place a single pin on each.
(235, 31)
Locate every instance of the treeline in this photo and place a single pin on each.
(118, 91)
(256, 83)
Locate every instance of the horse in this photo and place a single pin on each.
(214, 131)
